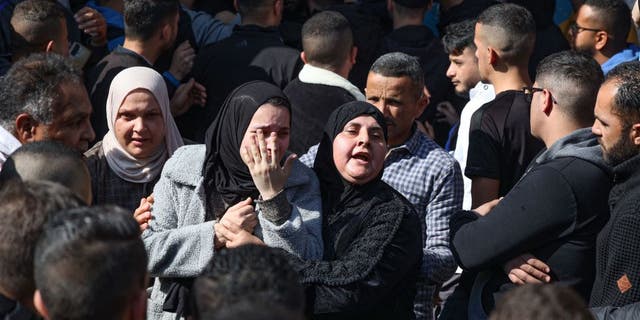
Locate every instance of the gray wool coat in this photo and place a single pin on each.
(180, 243)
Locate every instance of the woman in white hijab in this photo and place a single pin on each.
(142, 135)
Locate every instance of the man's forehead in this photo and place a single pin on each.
(389, 83)
(74, 99)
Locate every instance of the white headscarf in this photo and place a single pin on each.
(120, 161)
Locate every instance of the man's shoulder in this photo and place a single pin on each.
(297, 88)
(427, 152)
(113, 63)
(503, 100)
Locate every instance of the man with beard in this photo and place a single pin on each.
(601, 29)
(617, 126)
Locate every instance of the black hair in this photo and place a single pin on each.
(32, 86)
(24, 209)
(459, 36)
(615, 17)
(254, 8)
(90, 263)
(249, 274)
(40, 21)
(574, 78)
(541, 302)
(626, 76)
(398, 64)
(327, 40)
(144, 18)
(517, 30)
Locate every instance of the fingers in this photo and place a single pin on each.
(524, 277)
(254, 150)
(272, 148)
(288, 164)
(245, 154)
(83, 15)
(262, 146)
(242, 203)
(514, 279)
(142, 214)
(200, 94)
(535, 263)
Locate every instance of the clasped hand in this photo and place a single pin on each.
(263, 160)
(235, 228)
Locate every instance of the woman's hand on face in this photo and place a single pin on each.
(241, 216)
(263, 160)
(235, 239)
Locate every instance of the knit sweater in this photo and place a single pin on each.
(617, 280)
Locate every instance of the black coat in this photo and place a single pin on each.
(618, 247)
(372, 239)
(554, 213)
(311, 105)
(250, 53)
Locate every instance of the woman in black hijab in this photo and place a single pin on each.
(238, 181)
(371, 232)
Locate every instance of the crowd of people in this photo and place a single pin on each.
(319, 159)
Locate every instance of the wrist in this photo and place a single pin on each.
(217, 244)
(170, 76)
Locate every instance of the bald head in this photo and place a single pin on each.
(50, 161)
(510, 30)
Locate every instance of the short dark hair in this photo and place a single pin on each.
(327, 40)
(254, 8)
(24, 209)
(541, 302)
(248, 274)
(90, 263)
(398, 64)
(626, 76)
(516, 30)
(32, 86)
(47, 160)
(459, 36)
(143, 18)
(411, 8)
(574, 78)
(615, 17)
(42, 19)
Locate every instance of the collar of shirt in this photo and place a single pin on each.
(482, 89)
(411, 145)
(129, 51)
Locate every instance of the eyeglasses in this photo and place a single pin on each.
(574, 28)
(529, 91)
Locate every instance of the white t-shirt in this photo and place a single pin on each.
(478, 96)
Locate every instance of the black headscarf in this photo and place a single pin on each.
(338, 195)
(224, 172)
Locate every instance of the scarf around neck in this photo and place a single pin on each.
(123, 164)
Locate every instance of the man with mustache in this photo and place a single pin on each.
(417, 167)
